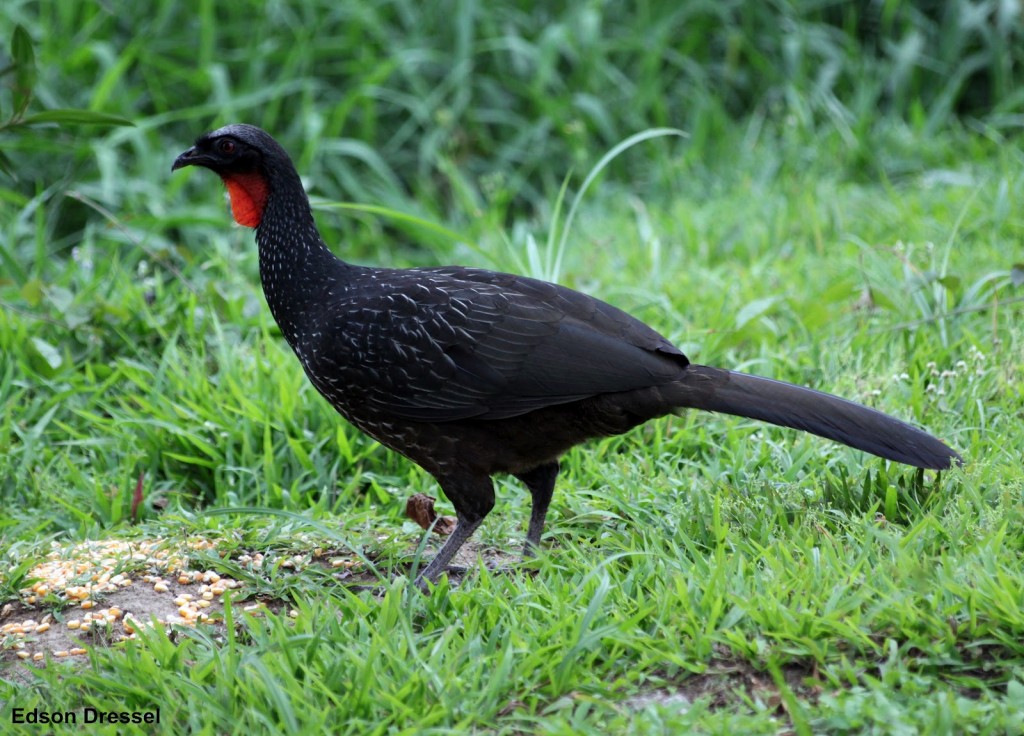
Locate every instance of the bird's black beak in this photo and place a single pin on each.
(191, 157)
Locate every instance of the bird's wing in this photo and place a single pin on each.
(438, 345)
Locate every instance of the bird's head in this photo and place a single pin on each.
(246, 158)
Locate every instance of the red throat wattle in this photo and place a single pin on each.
(248, 194)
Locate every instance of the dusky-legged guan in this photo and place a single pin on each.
(470, 373)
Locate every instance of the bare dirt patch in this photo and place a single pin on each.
(100, 593)
(729, 683)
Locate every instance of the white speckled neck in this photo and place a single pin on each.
(296, 267)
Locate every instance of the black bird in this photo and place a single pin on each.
(469, 373)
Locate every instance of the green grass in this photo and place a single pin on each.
(702, 574)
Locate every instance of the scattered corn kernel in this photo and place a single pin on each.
(38, 656)
(82, 572)
(61, 653)
(78, 650)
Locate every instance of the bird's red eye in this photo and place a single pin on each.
(226, 146)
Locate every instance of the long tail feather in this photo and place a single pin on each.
(788, 405)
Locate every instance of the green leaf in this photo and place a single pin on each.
(32, 292)
(614, 153)
(49, 354)
(891, 501)
(191, 459)
(754, 309)
(396, 216)
(1015, 693)
(21, 47)
(952, 283)
(7, 166)
(881, 300)
(61, 298)
(75, 117)
(24, 68)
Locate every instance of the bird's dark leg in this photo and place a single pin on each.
(541, 483)
(473, 498)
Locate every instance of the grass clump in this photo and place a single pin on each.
(842, 215)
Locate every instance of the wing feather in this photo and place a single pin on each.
(439, 345)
